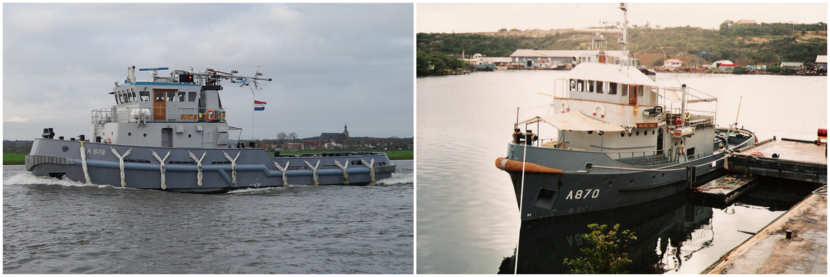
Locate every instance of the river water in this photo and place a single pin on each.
(468, 219)
(54, 226)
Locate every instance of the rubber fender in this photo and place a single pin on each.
(516, 166)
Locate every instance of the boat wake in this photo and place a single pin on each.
(394, 180)
(26, 178)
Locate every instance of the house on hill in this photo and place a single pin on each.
(821, 60)
(672, 63)
(746, 21)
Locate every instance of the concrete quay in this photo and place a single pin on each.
(770, 252)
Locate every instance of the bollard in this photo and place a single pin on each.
(789, 234)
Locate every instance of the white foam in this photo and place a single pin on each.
(26, 178)
(259, 190)
(396, 179)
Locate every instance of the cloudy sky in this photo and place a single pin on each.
(461, 18)
(331, 64)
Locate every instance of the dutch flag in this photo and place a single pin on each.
(259, 105)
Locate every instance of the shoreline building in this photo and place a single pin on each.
(672, 63)
(530, 57)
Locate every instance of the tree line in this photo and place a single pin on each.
(742, 43)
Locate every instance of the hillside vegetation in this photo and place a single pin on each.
(767, 44)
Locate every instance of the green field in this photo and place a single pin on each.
(393, 154)
(13, 158)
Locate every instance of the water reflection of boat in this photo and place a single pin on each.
(668, 230)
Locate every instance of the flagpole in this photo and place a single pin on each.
(253, 115)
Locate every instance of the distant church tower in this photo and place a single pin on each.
(346, 130)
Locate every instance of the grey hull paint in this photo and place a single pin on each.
(485, 67)
(255, 167)
(578, 190)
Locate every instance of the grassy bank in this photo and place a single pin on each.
(393, 154)
(13, 158)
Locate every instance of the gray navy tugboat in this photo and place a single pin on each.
(621, 141)
(171, 134)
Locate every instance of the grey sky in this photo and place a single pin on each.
(331, 63)
(462, 18)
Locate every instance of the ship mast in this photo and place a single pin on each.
(624, 39)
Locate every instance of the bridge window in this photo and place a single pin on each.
(579, 85)
(132, 95)
(590, 86)
(145, 95)
(640, 91)
(612, 89)
(171, 95)
(624, 91)
(120, 97)
(600, 87)
(191, 96)
(180, 96)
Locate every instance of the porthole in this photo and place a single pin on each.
(638, 132)
(629, 134)
(652, 132)
(145, 135)
(111, 133)
(129, 134)
(65, 148)
(590, 132)
(188, 135)
(622, 134)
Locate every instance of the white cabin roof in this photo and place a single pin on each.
(610, 73)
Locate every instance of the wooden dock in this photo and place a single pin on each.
(722, 191)
(786, 158)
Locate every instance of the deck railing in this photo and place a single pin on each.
(652, 157)
(146, 114)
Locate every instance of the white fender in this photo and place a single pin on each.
(162, 167)
(565, 107)
(314, 171)
(198, 166)
(121, 163)
(233, 165)
(598, 107)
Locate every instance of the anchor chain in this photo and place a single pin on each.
(121, 163)
(161, 167)
(198, 166)
(83, 163)
(314, 170)
(233, 164)
(283, 169)
(345, 174)
(371, 169)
